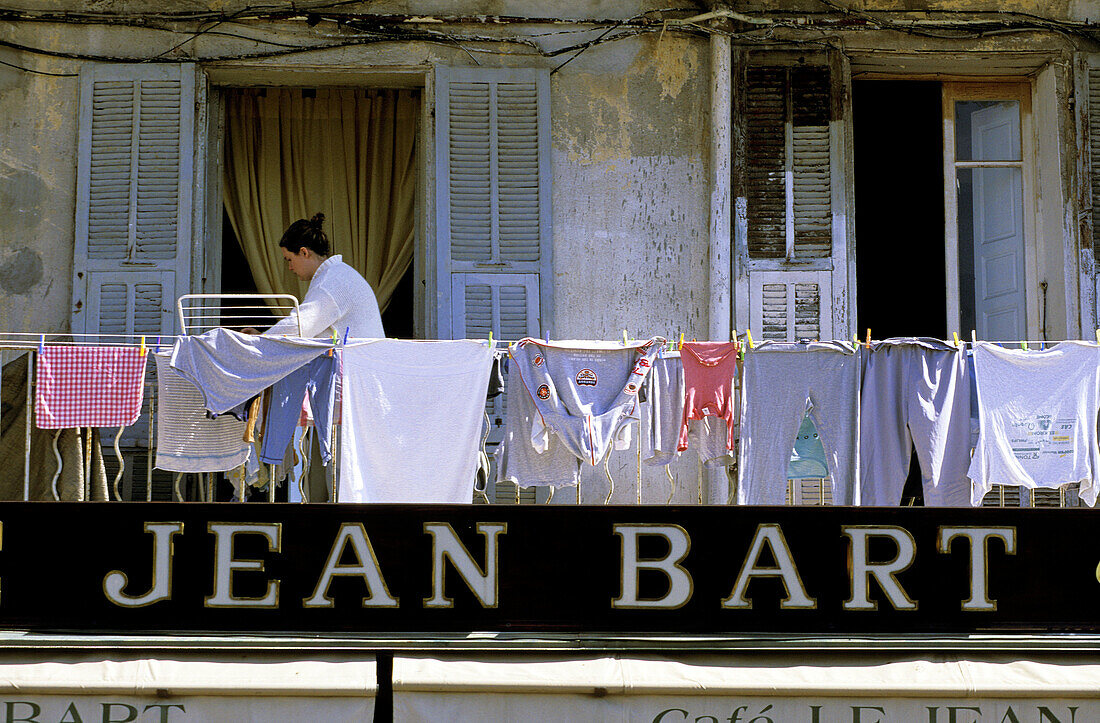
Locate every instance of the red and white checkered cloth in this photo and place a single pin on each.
(88, 386)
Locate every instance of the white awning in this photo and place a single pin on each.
(189, 685)
(904, 687)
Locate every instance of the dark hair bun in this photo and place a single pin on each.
(306, 234)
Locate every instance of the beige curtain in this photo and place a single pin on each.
(350, 154)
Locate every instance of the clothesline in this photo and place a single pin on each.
(32, 340)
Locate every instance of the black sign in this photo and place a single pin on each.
(651, 570)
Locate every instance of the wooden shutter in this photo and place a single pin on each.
(507, 305)
(790, 304)
(133, 214)
(790, 179)
(493, 195)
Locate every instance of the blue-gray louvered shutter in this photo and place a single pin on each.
(493, 199)
(134, 197)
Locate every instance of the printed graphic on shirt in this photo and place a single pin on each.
(643, 362)
(632, 388)
(1042, 435)
(543, 392)
(586, 378)
(538, 360)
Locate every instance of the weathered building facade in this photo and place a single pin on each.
(800, 170)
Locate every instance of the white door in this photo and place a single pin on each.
(998, 225)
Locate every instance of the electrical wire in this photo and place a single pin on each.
(38, 72)
(389, 28)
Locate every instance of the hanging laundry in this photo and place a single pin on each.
(662, 416)
(412, 417)
(781, 383)
(88, 386)
(229, 367)
(518, 462)
(916, 393)
(318, 380)
(187, 439)
(1037, 418)
(710, 372)
(584, 395)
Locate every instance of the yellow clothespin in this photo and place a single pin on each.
(868, 337)
(624, 337)
(958, 343)
(1098, 336)
(682, 337)
(141, 349)
(733, 335)
(490, 337)
(748, 338)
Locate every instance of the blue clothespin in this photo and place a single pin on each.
(156, 349)
(347, 330)
(547, 336)
(41, 343)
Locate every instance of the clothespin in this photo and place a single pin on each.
(624, 337)
(347, 330)
(958, 343)
(748, 338)
(547, 336)
(141, 349)
(42, 342)
(868, 337)
(855, 339)
(490, 338)
(973, 337)
(157, 350)
(1098, 336)
(1023, 345)
(335, 338)
(682, 338)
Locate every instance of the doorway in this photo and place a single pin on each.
(350, 153)
(901, 284)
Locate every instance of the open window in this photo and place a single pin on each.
(348, 152)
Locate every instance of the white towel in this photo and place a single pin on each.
(412, 420)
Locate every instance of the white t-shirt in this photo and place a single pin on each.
(338, 299)
(1037, 418)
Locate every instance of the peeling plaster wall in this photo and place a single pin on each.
(629, 129)
(631, 211)
(37, 194)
